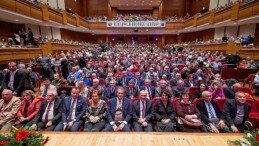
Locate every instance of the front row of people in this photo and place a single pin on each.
(121, 114)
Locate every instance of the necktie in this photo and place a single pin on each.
(143, 109)
(47, 113)
(71, 110)
(112, 90)
(210, 110)
(131, 92)
(149, 93)
(26, 109)
(45, 91)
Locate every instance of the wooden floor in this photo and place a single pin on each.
(138, 139)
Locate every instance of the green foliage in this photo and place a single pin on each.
(22, 137)
(249, 139)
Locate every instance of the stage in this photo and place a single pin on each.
(138, 139)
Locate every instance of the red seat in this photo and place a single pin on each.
(155, 99)
(254, 114)
(248, 92)
(180, 66)
(133, 100)
(220, 102)
(196, 100)
(192, 90)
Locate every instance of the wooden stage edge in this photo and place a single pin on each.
(139, 139)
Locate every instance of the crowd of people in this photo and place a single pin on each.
(177, 19)
(96, 18)
(135, 17)
(122, 87)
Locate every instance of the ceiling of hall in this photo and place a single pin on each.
(134, 3)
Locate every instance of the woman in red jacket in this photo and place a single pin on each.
(28, 109)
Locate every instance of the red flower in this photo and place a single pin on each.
(257, 137)
(21, 134)
(2, 143)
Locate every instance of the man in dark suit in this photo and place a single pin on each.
(230, 92)
(111, 91)
(74, 108)
(14, 80)
(138, 81)
(49, 114)
(131, 91)
(211, 114)
(236, 112)
(96, 86)
(162, 86)
(149, 89)
(142, 112)
(123, 79)
(120, 103)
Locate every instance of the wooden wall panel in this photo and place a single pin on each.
(141, 12)
(204, 35)
(256, 38)
(171, 39)
(99, 38)
(75, 36)
(195, 6)
(8, 29)
(97, 7)
(76, 6)
(174, 7)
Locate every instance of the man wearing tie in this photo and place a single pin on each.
(119, 104)
(142, 112)
(46, 87)
(131, 91)
(211, 114)
(138, 81)
(49, 114)
(74, 108)
(110, 92)
(148, 88)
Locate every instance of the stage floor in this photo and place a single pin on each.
(138, 139)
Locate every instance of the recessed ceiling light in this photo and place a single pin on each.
(16, 20)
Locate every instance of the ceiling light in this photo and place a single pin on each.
(16, 20)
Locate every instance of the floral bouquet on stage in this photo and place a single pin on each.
(251, 139)
(22, 137)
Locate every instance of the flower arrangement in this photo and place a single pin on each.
(251, 139)
(22, 137)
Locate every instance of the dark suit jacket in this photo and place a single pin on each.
(148, 112)
(140, 82)
(126, 109)
(162, 112)
(204, 113)
(229, 93)
(57, 111)
(230, 111)
(120, 81)
(127, 92)
(80, 108)
(18, 85)
(109, 94)
(152, 90)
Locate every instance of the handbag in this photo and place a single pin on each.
(191, 124)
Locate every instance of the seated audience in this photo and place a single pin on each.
(119, 113)
(131, 91)
(164, 113)
(211, 115)
(230, 92)
(197, 94)
(28, 109)
(236, 112)
(216, 89)
(9, 106)
(49, 114)
(74, 108)
(188, 119)
(95, 114)
(46, 87)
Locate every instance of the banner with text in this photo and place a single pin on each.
(135, 23)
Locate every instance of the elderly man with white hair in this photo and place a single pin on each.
(97, 87)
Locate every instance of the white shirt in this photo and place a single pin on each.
(51, 112)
